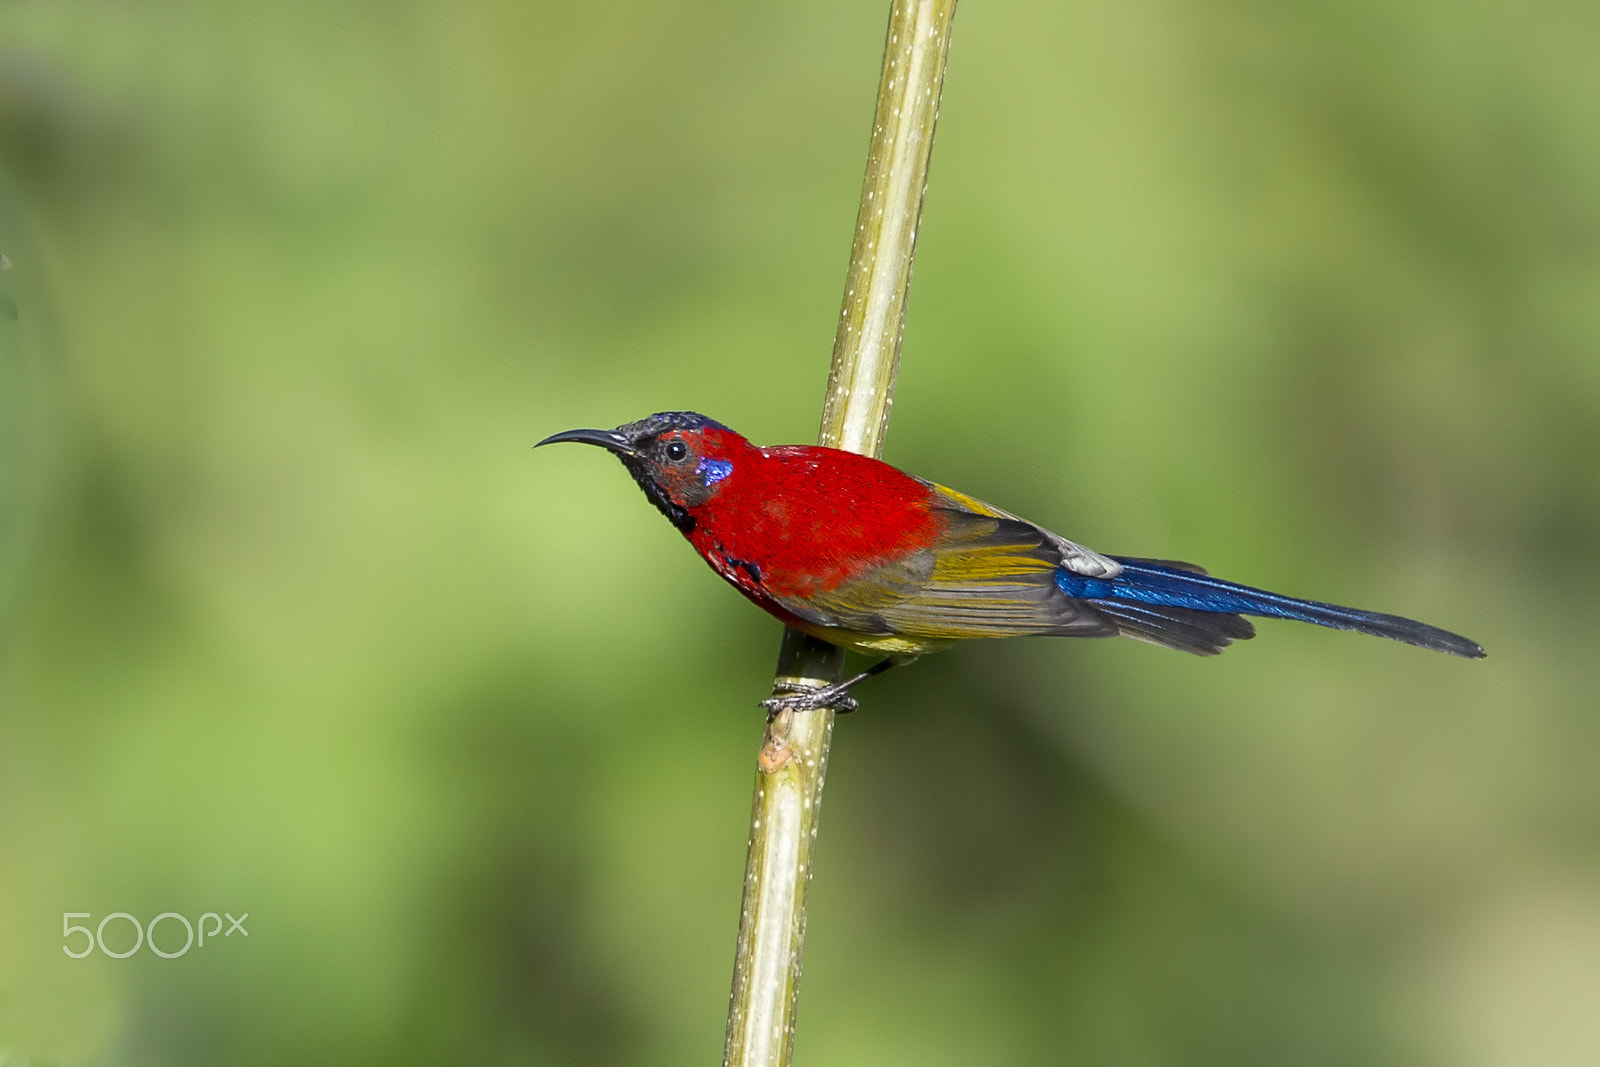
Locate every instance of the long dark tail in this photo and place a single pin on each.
(1181, 606)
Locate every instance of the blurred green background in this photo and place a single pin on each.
(294, 623)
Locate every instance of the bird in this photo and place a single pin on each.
(856, 552)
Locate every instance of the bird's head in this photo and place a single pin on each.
(680, 459)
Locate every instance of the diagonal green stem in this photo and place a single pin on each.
(866, 356)
(866, 346)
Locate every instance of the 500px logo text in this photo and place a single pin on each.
(145, 935)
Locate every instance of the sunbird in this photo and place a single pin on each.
(856, 552)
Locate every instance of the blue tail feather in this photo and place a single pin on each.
(1173, 586)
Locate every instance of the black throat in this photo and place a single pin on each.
(675, 514)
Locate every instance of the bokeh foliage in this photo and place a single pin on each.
(294, 623)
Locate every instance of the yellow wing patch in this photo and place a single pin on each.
(969, 503)
(978, 564)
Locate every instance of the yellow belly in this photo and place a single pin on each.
(870, 644)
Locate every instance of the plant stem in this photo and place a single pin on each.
(866, 357)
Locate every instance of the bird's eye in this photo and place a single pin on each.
(676, 450)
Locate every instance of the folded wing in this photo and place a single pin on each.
(985, 575)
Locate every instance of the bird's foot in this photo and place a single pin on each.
(828, 696)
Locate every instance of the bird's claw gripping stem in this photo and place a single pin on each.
(828, 696)
(796, 698)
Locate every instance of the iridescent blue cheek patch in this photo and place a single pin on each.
(713, 471)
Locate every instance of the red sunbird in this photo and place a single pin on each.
(851, 550)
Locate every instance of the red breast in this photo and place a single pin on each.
(795, 520)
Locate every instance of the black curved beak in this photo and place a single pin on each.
(610, 440)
